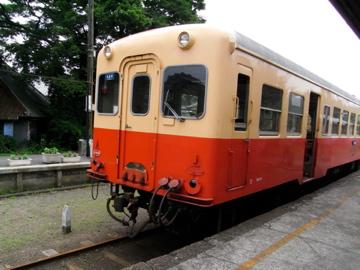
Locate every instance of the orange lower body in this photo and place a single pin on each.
(224, 169)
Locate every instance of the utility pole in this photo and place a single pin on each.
(90, 72)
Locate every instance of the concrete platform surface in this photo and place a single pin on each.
(318, 231)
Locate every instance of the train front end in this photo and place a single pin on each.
(155, 137)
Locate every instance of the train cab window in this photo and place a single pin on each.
(270, 112)
(326, 120)
(352, 124)
(140, 95)
(242, 96)
(344, 122)
(358, 125)
(296, 107)
(108, 93)
(335, 121)
(184, 91)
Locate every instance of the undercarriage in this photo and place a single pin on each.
(125, 202)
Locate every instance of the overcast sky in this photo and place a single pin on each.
(309, 32)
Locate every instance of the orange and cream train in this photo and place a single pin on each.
(193, 115)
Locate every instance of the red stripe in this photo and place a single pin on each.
(226, 168)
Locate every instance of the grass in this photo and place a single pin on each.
(13, 243)
(4, 191)
(35, 221)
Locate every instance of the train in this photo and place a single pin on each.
(193, 116)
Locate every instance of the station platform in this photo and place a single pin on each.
(318, 231)
(35, 160)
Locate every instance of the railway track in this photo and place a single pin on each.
(67, 253)
(39, 191)
(119, 252)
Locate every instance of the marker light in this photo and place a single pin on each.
(185, 40)
(107, 52)
(192, 186)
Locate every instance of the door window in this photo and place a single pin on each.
(242, 96)
(140, 95)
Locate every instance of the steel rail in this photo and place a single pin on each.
(47, 190)
(68, 253)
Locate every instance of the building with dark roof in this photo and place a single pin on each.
(22, 107)
(350, 11)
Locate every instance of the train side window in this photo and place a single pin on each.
(335, 121)
(140, 95)
(352, 124)
(270, 111)
(296, 108)
(242, 95)
(108, 93)
(358, 125)
(344, 122)
(326, 120)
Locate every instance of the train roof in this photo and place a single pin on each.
(258, 50)
(250, 46)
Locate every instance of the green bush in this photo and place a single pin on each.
(51, 150)
(19, 156)
(70, 154)
(64, 134)
(31, 147)
(7, 144)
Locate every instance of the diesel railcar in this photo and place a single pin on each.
(194, 115)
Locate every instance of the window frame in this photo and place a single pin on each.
(329, 121)
(292, 134)
(132, 93)
(246, 110)
(342, 123)
(162, 92)
(332, 122)
(9, 127)
(357, 126)
(352, 124)
(270, 133)
(97, 94)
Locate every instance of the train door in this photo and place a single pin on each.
(139, 121)
(310, 145)
(240, 130)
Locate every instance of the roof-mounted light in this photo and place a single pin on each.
(107, 52)
(185, 41)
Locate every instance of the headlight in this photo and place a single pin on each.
(185, 41)
(107, 52)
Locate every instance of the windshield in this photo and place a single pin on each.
(184, 91)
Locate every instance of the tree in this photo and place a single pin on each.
(48, 38)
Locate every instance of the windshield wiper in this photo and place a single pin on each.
(178, 117)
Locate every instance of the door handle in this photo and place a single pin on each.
(127, 126)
